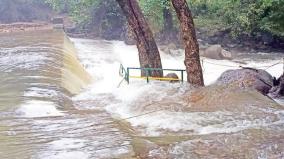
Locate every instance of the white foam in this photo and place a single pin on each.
(103, 63)
(22, 58)
(65, 148)
(67, 143)
(35, 108)
(198, 123)
(40, 92)
(66, 155)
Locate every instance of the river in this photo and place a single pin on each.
(60, 98)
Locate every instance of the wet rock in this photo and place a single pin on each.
(278, 89)
(171, 49)
(142, 147)
(216, 52)
(174, 76)
(230, 98)
(257, 79)
(226, 54)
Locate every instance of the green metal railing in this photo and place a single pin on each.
(125, 73)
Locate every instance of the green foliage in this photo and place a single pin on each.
(210, 25)
(57, 5)
(153, 11)
(274, 20)
(79, 10)
(244, 17)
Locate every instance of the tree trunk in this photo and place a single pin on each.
(149, 56)
(192, 59)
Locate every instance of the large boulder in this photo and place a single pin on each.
(257, 79)
(216, 52)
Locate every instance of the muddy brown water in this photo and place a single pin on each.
(40, 118)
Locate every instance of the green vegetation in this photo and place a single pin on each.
(251, 18)
(243, 17)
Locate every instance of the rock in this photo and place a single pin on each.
(227, 97)
(172, 75)
(213, 52)
(170, 49)
(142, 147)
(257, 79)
(216, 52)
(278, 87)
(226, 54)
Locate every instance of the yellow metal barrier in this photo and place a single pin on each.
(156, 78)
(125, 73)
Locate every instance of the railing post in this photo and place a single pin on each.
(127, 75)
(147, 74)
(182, 76)
(122, 69)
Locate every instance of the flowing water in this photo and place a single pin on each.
(54, 107)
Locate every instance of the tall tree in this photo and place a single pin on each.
(192, 59)
(149, 55)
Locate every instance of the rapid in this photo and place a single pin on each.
(62, 98)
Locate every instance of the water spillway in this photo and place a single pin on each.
(40, 60)
(40, 73)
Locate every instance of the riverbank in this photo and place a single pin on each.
(206, 38)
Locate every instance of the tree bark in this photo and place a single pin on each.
(149, 55)
(192, 59)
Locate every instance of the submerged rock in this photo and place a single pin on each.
(229, 98)
(257, 79)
